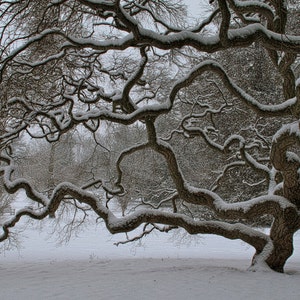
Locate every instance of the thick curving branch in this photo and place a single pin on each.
(284, 108)
(128, 223)
(121, 157)
(269, 204)
(236, 38)
(225, 23)
(242, 8)
(84, 90)
(260, 241)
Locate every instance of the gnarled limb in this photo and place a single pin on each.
(288, 163)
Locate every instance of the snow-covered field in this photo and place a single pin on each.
(91, 267)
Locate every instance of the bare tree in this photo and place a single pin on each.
(96, 63)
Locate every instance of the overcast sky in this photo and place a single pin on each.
(198, 8)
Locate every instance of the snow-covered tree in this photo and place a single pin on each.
(96, 65)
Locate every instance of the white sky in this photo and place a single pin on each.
(198, 8)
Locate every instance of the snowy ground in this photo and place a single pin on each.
(91, 267)
(144, 279)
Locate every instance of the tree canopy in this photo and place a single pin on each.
(189, 123)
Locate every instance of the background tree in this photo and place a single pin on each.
(136, 64)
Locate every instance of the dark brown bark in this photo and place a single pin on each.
(282, 232)
(284, 227)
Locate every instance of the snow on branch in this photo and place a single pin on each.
(292, 129)
(129, 222)
(236, 37)
(269, 204)
(215, 67)
(35, 38)
(14, 185)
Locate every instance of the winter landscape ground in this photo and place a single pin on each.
(90, 266)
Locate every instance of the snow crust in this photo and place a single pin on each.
(168, 279)
(90, 267)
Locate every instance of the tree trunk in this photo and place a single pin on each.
(51, 180)
(282, 237)
(287, 223)
(282, 232)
